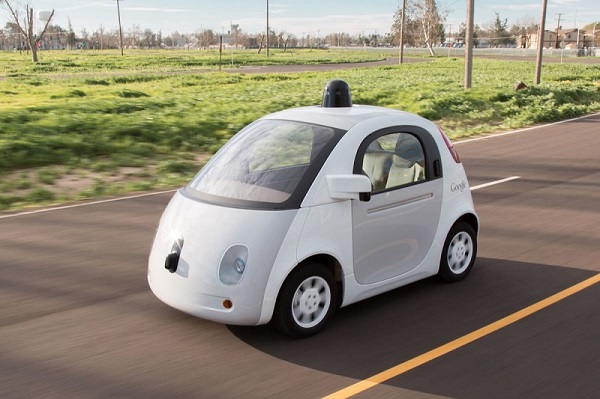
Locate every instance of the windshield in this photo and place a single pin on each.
(266, 162)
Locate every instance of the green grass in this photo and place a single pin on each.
(48, 175)
(110, 61)
(84, 119)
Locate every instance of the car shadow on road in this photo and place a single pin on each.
(373, 335)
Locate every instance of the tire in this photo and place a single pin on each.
(459, 252)
(307, 299)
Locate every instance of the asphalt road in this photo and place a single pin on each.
(77, 319)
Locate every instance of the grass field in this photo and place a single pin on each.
(110, 61)
(81, 125)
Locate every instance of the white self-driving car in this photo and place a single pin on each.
(313, 208)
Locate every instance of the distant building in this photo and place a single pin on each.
(549, 40)
(571, 38)
(567, 39)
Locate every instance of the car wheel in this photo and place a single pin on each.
(307, 299)
(459, 252)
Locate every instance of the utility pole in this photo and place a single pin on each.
(469, 43)
(267, 28)
(575, 26)
(448, 38)
(402, 18)
(540, 49)
(557, 28)
(120, 29)
(101, 37)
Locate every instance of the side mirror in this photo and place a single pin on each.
(342, 187)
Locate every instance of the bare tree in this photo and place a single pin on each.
(432, 23)
(423, 25)
(338, 39)
(260, 39)
(149, 40)
(99, 36)
(135, 36)
(13, 37)
(206, 38)
(238, 36)
(71, 38)
(289, 38)
(26, 27)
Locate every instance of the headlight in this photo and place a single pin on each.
(233, 264)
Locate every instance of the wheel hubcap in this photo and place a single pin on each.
(311, 302)
(460, 252)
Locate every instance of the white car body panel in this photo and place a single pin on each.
(279, 240)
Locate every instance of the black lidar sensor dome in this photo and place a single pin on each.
(337, 95)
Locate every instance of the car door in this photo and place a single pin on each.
(394, 229)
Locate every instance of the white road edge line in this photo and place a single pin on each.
(59, 208)
(172, 191)
(493, 183)
(494, 135)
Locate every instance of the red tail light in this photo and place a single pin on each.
(450, 146)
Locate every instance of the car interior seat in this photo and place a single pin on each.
(376, 165)
(407, 162)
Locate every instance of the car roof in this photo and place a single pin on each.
(343, 118)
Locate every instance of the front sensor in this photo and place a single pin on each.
(172, 259)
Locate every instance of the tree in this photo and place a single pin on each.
(594, 29)
(525, 26)
(593, 26)
(52, 38)
(236, 35)
(13, 37)
(135, 36)
(374, 40)
(285, 39)
(499, 35)
(27, 30)
(272, 38)
(411, 27)
(206, 38)
(71, 39)
(85, 39)
(159, 39)
(338, 40)
(522, 34)
(149, 40)
(98, 38)
(462, 34)
(423, 23)
(431, 22)
(260, 39)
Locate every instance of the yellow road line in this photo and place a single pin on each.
(462, 341)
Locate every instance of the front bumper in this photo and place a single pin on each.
(208, 231)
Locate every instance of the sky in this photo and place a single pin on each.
(305, 17)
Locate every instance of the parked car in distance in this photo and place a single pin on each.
(313, 208)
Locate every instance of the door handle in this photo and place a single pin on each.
(437, 170)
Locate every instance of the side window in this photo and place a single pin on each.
(394, 160)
